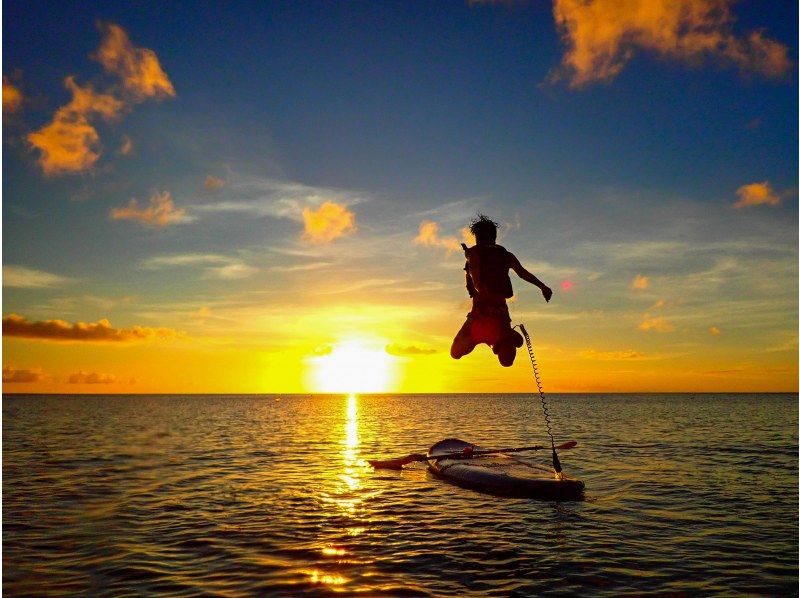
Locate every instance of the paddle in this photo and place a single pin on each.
(467, 453)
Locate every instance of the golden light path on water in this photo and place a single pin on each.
(345, 497)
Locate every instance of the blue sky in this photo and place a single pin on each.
(404, 112)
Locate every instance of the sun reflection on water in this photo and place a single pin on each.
(351, 472)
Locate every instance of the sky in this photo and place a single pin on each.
(205, 197)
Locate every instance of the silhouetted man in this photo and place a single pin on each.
(489, 285)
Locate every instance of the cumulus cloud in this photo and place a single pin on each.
(15, 325)
(160, 212)
(429, 235)
(610, 355)
(82, 377)
(756, 194)
(401, 350)
(138, 68)
(603, 35)
(12, 97)
(13, 375)
(20, 277)
(655, 324)
(640, 282)
(213, 182)
(328, 222)
(70, 143)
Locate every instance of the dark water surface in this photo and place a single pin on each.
(268, 495)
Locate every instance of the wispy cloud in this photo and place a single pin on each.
(215, 265)
(610, 355)
(138, 68)
(266, 197)
(655, 324)
(328, 222)
(20, 277)
(756, 194)
(213, 182)
(603, 35)
(231, 271)
(183, 259)
(126, 149)
(404, 350)
(161, 211)
(14, 375)
(15, 325)
(82, 377)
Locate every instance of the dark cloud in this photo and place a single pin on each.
(59, 330)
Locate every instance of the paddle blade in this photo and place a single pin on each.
(395, 463)
(567, 445)
(387, 464)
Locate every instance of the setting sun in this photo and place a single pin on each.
(352, 367)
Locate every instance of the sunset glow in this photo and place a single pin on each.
(180, 226)
(353, 367)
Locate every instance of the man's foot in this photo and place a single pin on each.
(517, 339)
(506, 356)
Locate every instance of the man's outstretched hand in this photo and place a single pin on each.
(547, 292)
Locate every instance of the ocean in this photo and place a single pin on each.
(271, 495)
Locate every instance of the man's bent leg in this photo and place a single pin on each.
(463, 343)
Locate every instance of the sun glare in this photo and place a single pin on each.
(353, 367)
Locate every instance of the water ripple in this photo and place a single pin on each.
(246, 495)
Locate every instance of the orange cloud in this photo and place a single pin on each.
(160, 212)
(603, 35)
(640, 282)
(82, 377)
(100, 331)
(401, 350)
(70, 143)
(655, 324)
(12, 375)
(213, 182)
(429, 235)
(328, 222)
(756, 194)
(714, 330)
(12, 97)
(138, 68)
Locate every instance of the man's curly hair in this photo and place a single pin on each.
(484, 228)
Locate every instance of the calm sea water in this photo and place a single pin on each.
(271, 495)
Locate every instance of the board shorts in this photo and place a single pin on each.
(489, 324)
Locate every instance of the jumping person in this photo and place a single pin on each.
(489, 285)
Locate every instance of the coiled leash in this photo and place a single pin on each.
(556, 462)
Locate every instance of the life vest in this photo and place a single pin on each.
(494, 265)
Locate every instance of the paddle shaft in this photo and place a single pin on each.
(462, 455)
(414, 457)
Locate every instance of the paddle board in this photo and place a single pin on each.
(500, 474)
